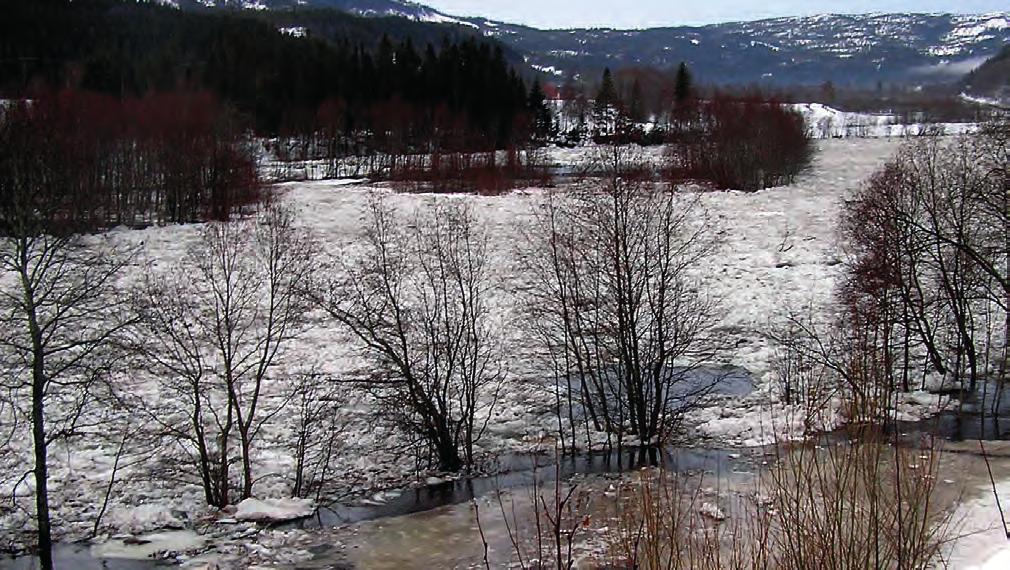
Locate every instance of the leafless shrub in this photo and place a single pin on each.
(857, 504)
(213, 331)
(318, 430)
(613, 300)
(416, 297)
(100, 161)
(744, 142)
(804, 377)
(662, 521)
(484, 173)
(544, 523)
(854, 504)
(843, 359)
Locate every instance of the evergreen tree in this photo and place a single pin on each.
(636, 107)
(683, 90)
(606, 97)
(278, 83)
(607, 107)
(543, 123)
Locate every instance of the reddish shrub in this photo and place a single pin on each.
(90, 161)
(744, 143)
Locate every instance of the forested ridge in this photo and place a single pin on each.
(128, 48)
(992, 78)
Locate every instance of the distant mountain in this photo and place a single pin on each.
(356, 21)
(367, 8)
(991, 81)
(848, 50)
(858, 50)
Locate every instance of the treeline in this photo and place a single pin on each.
(460, 96)
(279, 82)
(79, 161)
(746, 140)
(929, 271)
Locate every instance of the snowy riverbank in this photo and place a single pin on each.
(779, 252)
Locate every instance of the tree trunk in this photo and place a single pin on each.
(247, 477)
(45, 542)
(41, 445)
(449, 459)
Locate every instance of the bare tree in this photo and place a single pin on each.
(613, 297)
(543, 525)
(417, 298)
(318, 427)
(61, 321)
(215, 330)
(930, 256)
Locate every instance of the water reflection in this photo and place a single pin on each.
(77, 557)
(520, 470)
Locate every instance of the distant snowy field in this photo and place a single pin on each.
(780, 252)
(827, 122)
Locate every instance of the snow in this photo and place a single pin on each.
(274, 510)
(985, 101)
(146, 546)
(998, 561)
(439, 18)
(549, 69)
(766, 424)
(779, 250)
(295, 31)
(827, 122)
(974, 29)
(712, 511)
(919, 404)
(982, 543)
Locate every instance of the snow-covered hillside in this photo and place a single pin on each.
(366, 8)
(847, 49)
(860, 50)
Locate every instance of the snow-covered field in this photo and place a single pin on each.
(826, 122)
(779, 252)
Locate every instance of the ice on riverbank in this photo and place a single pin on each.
(274, 510)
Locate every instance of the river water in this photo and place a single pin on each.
(436, 525)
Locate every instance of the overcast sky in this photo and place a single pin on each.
(649, 13)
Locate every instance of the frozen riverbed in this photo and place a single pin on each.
(779, 251)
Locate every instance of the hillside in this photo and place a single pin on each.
(855, 50)
(859, 50)
(992, 80)
(259, 63)
(368, 8)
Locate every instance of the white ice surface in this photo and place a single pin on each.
(779, 251)
(274, 510)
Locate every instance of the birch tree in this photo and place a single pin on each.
(215, 332)
(417, 299)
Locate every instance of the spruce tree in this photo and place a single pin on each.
(607, 95)
(684, 85)
(636, 107)
(606, 109)
(542, 121)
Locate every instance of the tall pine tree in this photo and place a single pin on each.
(543, 122)
(606, 108)
(683, 90)
(606, 97)
(636, 106)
